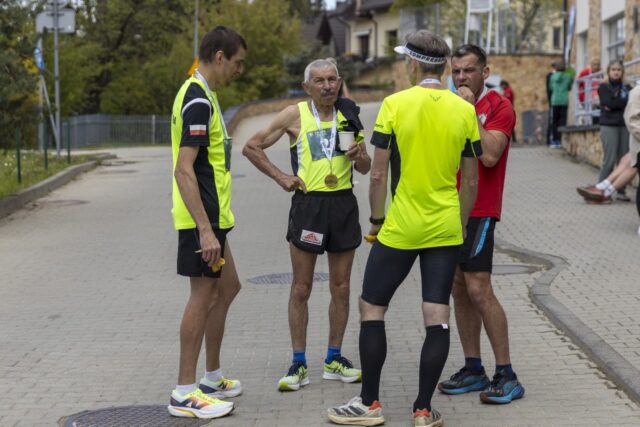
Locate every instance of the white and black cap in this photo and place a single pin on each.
(420, 55)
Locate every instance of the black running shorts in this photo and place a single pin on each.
(190, 263)
(320, 221)
(388, 267)
(476, 254)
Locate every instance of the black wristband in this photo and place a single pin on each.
(376, 221)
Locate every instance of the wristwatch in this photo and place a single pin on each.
(376, 221)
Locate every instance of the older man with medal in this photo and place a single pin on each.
(325, 139)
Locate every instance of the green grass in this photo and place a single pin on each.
(33, 171)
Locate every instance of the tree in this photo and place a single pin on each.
(131, 56)
(531, 17)
(18, 76)
(114, 60)
(270, 33)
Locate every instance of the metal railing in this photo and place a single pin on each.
(588, 107)
(96, 129)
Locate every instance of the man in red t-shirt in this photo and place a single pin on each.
(593, 67)
(474, 301)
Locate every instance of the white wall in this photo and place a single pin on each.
(611, 8)
(582, 16)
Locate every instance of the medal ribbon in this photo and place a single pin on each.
(215, 100)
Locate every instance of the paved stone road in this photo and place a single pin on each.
(90, 304)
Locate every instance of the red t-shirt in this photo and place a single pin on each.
(495, 112)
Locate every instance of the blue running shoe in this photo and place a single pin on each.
(503, 389)
(464, 381)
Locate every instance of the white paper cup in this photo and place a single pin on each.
(345, 139)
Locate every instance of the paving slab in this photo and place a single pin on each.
(90, 304)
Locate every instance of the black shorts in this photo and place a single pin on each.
(476, 254)
(320, 221)
(190, 263)
(388, 267)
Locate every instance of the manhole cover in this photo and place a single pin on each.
(284, 278)
(515, 269)
(139, 416)
(117, 171)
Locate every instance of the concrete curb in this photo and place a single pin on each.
(16, 201)
(616, 367)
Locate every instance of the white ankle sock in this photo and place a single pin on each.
(214, 376)
(186, 389)
(603, 185)
(609, 190)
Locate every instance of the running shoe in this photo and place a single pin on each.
(503, 389)
(297, 377)
(590, 192)
(225, 388)
(464, 381)
(341, 369)
(426, 418)
(601, 201)
(356, 413)
(622, 197)
(198, 405)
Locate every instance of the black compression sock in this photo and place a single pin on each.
(373, 352)
(435, 351)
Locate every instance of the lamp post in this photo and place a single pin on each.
(195, 32)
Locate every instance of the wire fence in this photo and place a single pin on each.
(98, 129)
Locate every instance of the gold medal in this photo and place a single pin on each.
(331, 181)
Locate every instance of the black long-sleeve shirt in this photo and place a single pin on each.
(615, 97)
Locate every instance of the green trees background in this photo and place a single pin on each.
(131, 56)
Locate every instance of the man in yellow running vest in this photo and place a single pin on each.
(202, 215)
(324, 212)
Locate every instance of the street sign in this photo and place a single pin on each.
(480, 6)
(66, 21)
(37, 54)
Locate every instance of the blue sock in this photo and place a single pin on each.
(332, 351)
(474, 364)
(507, 368)
(299, 356)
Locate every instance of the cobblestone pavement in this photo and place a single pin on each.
(90, 303)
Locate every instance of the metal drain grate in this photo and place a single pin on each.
(505, 269)
(139, 416)
(284, 279)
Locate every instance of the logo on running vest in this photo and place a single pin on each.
(435, 98)
(312, 237)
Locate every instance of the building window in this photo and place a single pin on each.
(581, 50)
(364, 46)
(392, 41)
(615, 48)
(557, 38)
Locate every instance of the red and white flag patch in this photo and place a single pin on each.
(197, 130)
(311, 237)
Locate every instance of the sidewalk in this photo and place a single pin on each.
(90, 304)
